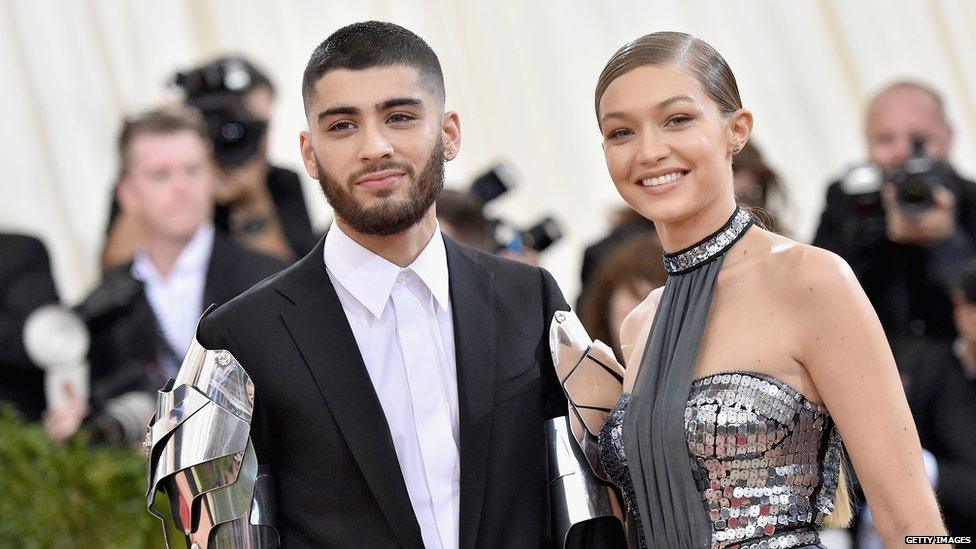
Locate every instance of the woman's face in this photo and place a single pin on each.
(667, 145)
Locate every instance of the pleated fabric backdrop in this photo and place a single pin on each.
(520, 73)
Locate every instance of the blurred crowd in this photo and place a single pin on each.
(199, 214)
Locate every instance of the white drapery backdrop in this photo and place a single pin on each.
(521, 75)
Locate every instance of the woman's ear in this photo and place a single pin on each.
(740, 128)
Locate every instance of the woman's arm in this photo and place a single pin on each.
(846, 354)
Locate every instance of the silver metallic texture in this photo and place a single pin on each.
(711, 247)
(765, 459)
(201, 458)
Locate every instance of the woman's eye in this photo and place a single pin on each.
(678, 119)
(619, 134)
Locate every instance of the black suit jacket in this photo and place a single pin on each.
(125, 337)
(25, 285)
(943, 402)
(319, 428)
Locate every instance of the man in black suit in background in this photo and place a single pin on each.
(402, 381)
(142, 315)
(25, 285)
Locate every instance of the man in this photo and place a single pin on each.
(261, 205)
(25, 285)
(904, 262)
(143, 315)
(401, 380)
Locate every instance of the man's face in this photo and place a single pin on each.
(167, 187)
(898, 115)
(964, 314)
(377, 141)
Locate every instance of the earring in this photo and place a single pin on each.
(736, 149)
(448, 155)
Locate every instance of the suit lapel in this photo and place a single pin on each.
(218, 275)
(472, 299)
(319, 328)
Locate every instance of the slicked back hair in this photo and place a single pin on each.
(373, 44)
(688, 53)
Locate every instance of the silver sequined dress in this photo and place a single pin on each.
(765, 460)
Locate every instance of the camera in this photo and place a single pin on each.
(917, 179)
(216, 90)
(508, 237)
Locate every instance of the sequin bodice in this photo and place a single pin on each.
(765, 460)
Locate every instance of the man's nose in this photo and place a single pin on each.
(375, 146)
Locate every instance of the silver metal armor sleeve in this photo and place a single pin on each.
(202, 461)
(585, 507)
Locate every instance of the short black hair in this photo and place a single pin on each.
(373, 44)
(965, 281)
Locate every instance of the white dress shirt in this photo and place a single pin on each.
(401, 319)
(177, 299)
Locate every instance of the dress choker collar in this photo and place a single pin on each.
(711, 247)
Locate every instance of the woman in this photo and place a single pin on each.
(761, 350)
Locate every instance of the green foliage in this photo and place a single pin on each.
(70, 495)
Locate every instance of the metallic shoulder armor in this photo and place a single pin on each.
(202, 461)
(586, 508)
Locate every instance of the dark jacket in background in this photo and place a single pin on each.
(319, 427)
(286, 192)
(25, 285)
(907, 284)
(943, 403)
(126, 340)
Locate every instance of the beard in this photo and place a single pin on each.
(390, 216)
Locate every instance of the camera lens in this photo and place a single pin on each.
(232, 131)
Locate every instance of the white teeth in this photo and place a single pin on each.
(661, 180)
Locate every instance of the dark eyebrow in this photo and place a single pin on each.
(400, 102)
(662, 105)
(337, 110)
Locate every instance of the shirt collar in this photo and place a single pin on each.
(194, 258)
(370, 278)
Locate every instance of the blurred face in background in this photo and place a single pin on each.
(167, 184)
(895, 117)
(748, 190)
(667, 144)
(624, 299)
(964, 314)
(376, 144)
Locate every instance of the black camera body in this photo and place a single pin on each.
(915, 182)
(216, 89)
(496, 182)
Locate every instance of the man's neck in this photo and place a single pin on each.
(163, 252)
(401, 248)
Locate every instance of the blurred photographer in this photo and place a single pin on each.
(143, 315)
(260, 205)
(904, 221)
